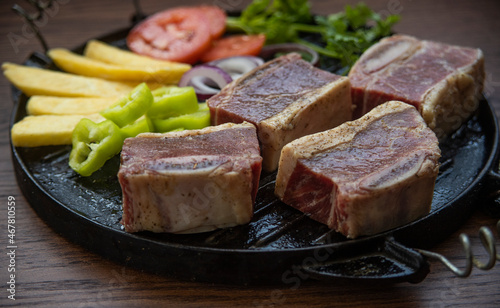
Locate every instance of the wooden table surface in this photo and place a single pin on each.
(50, 271)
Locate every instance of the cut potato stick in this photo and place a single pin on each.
(81, 65)
(37, 81)
(43, 130)
(41, 105)
(103, 52)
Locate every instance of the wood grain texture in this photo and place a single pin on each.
(53, 272)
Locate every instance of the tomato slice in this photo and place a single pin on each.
(181, 34)
(235, 45)
(217, 19)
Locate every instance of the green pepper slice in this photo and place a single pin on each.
(143, 125)
(173, 101)
(130, 108)
(93, 145)
(202, 106)
(195, 120)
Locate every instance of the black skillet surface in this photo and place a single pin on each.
(280, 244)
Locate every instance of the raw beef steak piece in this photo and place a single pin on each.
(286, 98)
(443, 82)
(190, 181)
(365, 176)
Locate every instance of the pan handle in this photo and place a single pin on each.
(488, 240)
(32, 18)
(386, 261)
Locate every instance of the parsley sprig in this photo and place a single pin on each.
(343, 36)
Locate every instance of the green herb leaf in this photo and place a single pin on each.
(344, 35)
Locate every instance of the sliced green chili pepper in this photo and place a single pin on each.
(142, 125)
(171, 108)
(93, 145)
(195, 120)
(202, 106)
(173, 101)
(130, 108)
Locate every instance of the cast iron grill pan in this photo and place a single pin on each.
(280, 245)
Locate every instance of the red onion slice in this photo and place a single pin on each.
(269, 51)
(206, 80)
(238, 65)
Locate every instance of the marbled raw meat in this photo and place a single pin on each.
(364, 176)
(285, 98)
(190, 181)
(444, 82)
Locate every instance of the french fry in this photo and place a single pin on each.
(81, 65)
(37, 81)
(43, 130)
(41, 105)
(103, 52)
